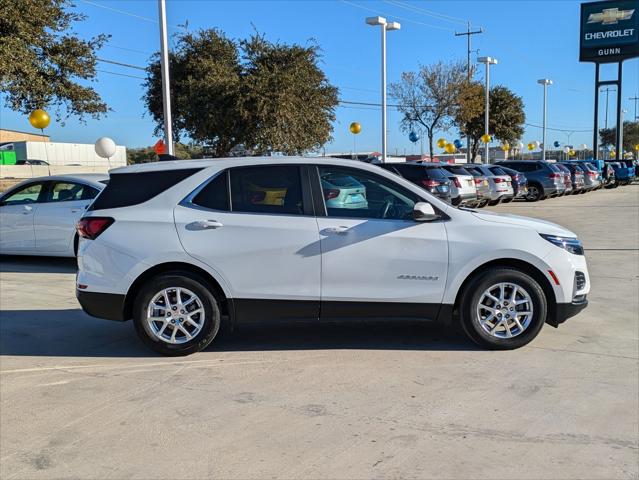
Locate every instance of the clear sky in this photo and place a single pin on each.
(530, 39)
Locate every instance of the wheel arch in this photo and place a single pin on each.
(226, 303)
(518, 264)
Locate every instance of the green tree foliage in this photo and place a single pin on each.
(430, 97)
(254, 93)
(147, 154)
(42, 63)
(608, 136)
(506, 118)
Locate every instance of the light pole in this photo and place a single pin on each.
(166, 91)
(545, 82)
(488, 61)
(620, 155)
(381, 21)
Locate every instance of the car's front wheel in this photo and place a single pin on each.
(176, 314)
(502, 309)
(534, 193)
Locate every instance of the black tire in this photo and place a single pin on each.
(507, 200)
(76, 243)
(472, 294)
(493, 203)
(535, 192)
(177, 279)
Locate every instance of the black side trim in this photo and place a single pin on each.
(109, 306)
(364, 310)
(316, 191)
(258, 310)
(563, 311)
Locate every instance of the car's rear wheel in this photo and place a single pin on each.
(535, 192)
(492, 203)
(176, 314)
(502, 309)
(507, 200)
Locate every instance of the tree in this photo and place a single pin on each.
(147, 154)
(429, 97)
(42, 62)
(608, 136)
(262, 95)
(506, 117)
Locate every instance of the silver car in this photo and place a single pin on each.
(501, 187)
(463, 190)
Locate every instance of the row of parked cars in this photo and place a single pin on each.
(477, 185)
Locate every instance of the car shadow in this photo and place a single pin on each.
(72, 333)
(28, 264)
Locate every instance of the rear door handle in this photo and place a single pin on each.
(340, 230)
(76, 210)
(204, 225)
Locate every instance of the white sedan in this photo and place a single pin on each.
(38, 216)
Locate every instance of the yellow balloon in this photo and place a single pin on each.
(637, 147)
(39, 119)
(531, 146)
(441, 142)
(486, 138)
(449, 147)
(505, 147)
(571, 153)
(355, 128)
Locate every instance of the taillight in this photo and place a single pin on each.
(592, 174)
(499, 180)
(431, 183)
(515, 178)
(331, 193)
(478, 181)
(457, 182)
(554, 175)
(92, 227)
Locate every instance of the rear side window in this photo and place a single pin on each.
(457, 170)
(126, 189)
(215, 194)
(554, 168)
(497, 171)
(475, 172)
(436, 173)
(270, 189)
(414, 173)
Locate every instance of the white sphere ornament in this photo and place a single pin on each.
(105, 147)
(566, 149)
(537, 144)
(584, 146)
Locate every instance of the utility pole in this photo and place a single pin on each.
(606, 91)
(166, 90)
(469, 33)
(634, 99)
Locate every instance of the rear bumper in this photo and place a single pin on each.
(563, 311)
(109, 306)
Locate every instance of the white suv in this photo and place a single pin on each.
(187, 248)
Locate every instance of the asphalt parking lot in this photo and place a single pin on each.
(83, 398)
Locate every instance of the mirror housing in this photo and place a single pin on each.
(424, 212)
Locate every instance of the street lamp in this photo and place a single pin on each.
(545, 82)
(381, 21)
(488, 61)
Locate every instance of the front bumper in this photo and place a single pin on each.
(563, 311)
(109, 306)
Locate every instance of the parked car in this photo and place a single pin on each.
(519, 181)
(567, 178)
(463, 188)
(544, 179)
(577, 176)
(622, 173)
(592, 177)
(185, 255)
(38, 216)
(482, 186)
(343, 191)
(32, 162)
(430, 177)
(630, 168)
(499, 182)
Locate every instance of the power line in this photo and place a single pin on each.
(129, 14)
(119, 74)
(558, 129)
(128, 65)
(423, 11)
(128, 49)
(395, 16)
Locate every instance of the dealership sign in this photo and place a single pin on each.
(609, 31)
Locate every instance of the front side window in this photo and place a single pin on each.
(28, 194)
(69, 192)
(354, 193)
(267, 189)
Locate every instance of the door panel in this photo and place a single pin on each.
(17, 211)
(377, 255)
(266, 257)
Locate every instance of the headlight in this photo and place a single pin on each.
(571, 244)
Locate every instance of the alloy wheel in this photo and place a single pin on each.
(175, 315)
(505, 310)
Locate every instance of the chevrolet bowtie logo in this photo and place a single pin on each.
(610, 16)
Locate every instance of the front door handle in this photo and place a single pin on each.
(340, 230)
(76, 210)
(27, 210)
(204, 225)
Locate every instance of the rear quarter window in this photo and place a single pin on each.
(126, 189)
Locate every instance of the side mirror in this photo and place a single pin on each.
(424, 212)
